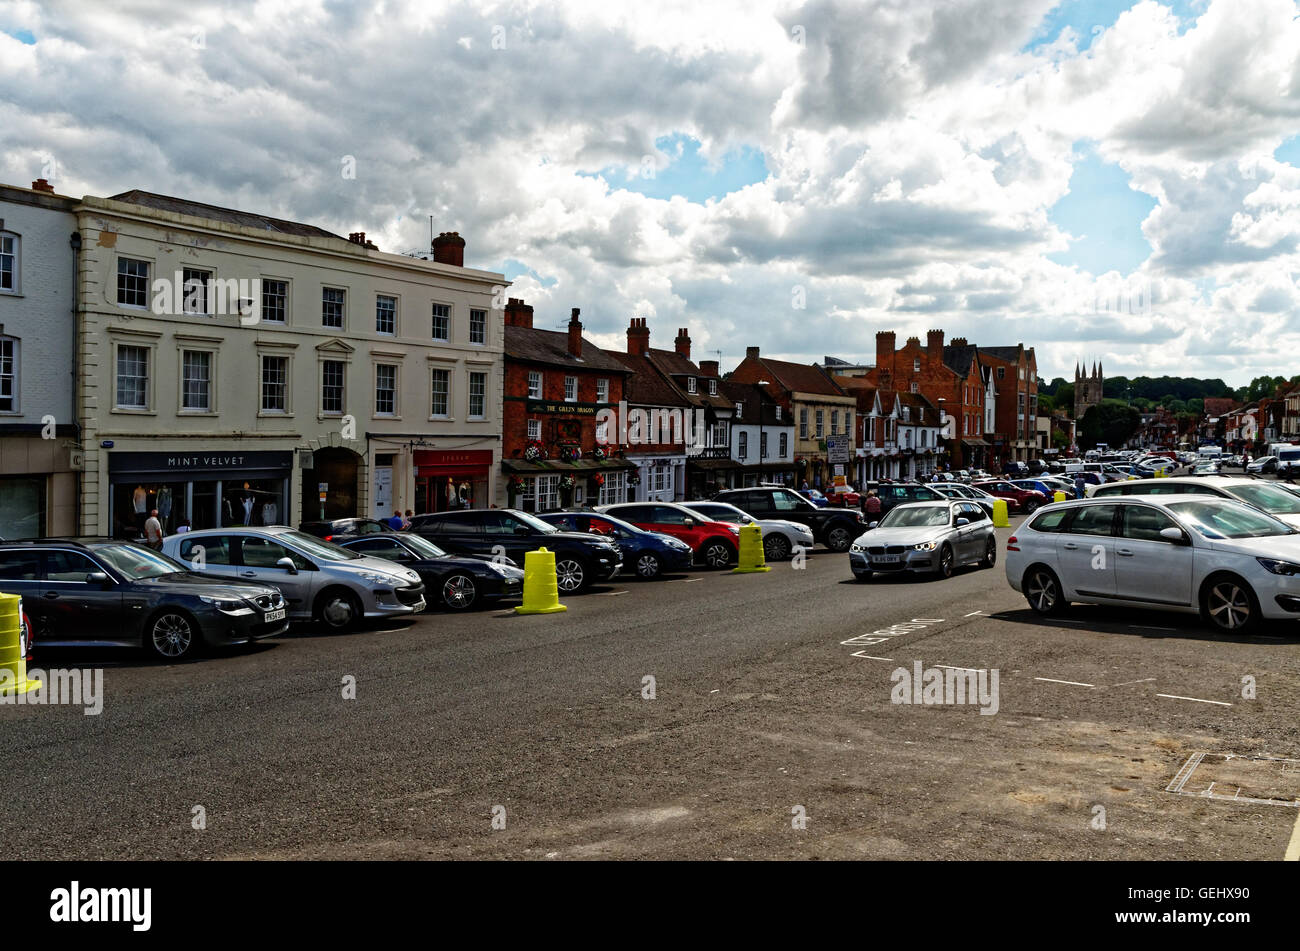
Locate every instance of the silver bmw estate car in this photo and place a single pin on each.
(929, 537)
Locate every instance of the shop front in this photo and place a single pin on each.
(452, 479)
(209, 489)
(549, 485)
(663, 478)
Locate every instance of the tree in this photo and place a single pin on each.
(1046, 405)
(1064, 397)
(1110, 421)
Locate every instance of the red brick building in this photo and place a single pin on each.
(556, 384)
(1015, 378)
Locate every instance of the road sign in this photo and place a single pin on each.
(837, 449)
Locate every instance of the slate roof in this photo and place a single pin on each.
(647, 386)
(801, 377)
(244, 219)
(751, 396)
(959, 359)
(677, 367)
(551, 347)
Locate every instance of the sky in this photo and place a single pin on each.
(1098, 179)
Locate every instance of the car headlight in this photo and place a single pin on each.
(924, 546)
(735, 531)
(375, 577)
(234, 606)
(1278, 567)
(499, 569)
(857, 548)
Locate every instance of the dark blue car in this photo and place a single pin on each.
(649, 554)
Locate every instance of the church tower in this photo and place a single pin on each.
(1087, 388)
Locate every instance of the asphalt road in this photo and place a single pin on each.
(761, 715)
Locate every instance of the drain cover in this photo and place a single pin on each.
(1263, 779)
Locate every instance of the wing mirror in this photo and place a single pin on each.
(99, 577)
(288, 565)
(1174, 535)
(689, 522)
(873, 525)
(962, 521)
(522, 530)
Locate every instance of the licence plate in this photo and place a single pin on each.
(886, 559)
(274, 615)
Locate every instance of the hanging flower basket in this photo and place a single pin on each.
(515, 484)
(570, 454)
(599, 453)
(634, 478)
(534, 451)
(567, 483)
(598, 480)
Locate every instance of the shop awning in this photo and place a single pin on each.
(522, 467)
(711, 465)
(975, 443)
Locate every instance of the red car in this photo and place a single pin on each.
(1018, 499)
(846, 498)
(714, 543)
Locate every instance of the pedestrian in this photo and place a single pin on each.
(1079, 484)
(395, 523)
(153, 531)
(871, 504)
(406, 520)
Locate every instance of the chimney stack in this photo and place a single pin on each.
(638, 337)
(683, 343)
(885, 350)
(518, 314)
(449, 248)
(41, 185)
(709, 367)
(959, 342)
(575, 334)
(358, 237)
(751, 353)
(934, 345)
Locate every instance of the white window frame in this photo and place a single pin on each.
(262, 308)
(396, 307)
(211, 408)
(570, 381)
(343, 408)
(713, 387)
(149, 349)
(396, 410)
(14, 376)
(15, 256)
(535, 391)
(602, 389)
(534, 429)
(434, 316)
(261, 384)
(469, 396)
(148, 273)
(614, 491)
(742, 445)
(343, 307)
(478, 316)
(691, 386)
(446, 405)
(191, 273)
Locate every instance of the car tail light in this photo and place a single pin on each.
(1012, 544)
(329, 538)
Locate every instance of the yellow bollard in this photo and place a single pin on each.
(541, 590)
(1058, 496)
(1161, 474)
(1000, 519)
(13, 657)
(750, 558)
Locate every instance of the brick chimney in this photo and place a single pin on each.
(41, 185)
(449, 248)
(885, 349)
(709, 367)
(959, 342)
(934, 345)
(683, 343)
(358, 237)
(751, 353)
(638, 337)
(575, 334)
(518, 314)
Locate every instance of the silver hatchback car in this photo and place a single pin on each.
(929, 537)
(321, 582)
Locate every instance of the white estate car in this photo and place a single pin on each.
(1232, 563)
(780, 537)
(1270, 497)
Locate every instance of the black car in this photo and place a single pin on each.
(833, 527)
(460, 582)
(649, 553)
(580, 559)
(340, 528)
(893, 494)
(101, 592)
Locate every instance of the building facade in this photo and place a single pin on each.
(659, 422)
(1014, 372)
(1087, 389)
(762, 437)
(40, 454)
(241, 369)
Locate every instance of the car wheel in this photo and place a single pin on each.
(172, 635)
(570, 574)
(647, 566)
(338, 609)
(776, 548)
(1229, 605)
(990, 554)
(716, 553)
(1043, 591)
(862, 576)
(1030, 506)
(459, 592)
(945, 561)
(839, 538)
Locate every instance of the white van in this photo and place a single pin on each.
(1209, 452)
(1288, 461)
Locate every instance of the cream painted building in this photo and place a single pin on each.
(239, 369)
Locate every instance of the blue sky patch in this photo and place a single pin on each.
(1289, 151)
(1104, 216)
(513, 270)
(1084, 17)
(688, 173)
(22, 36)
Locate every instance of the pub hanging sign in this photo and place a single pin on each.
(558, 408)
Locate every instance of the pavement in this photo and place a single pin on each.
(770, 734)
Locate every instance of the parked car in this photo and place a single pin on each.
(339, 528)
(80, 591)
(835, 528)
(816, 498)
(714, 542)
(956, 490)
(1016, 470)
(893, 494)
(1232, 563)
(1267, 496)
(458, 582)
(320, 581)
(780, 536)
(649, 554)
(581, 559)
(1264, 464)
(1027, 500)
(1048, 489)
(927, 537)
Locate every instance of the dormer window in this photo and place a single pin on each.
(778, 412)
(713, 387)
(690, 384)
(740, 410)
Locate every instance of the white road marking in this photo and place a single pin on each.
(1072, 683)
(1173, 696)
(1062, 620)
(609, 594)
(948, 667)
(1293, 849)
(869, 657)
(972, 614)
(684, 580)
(1152, 627)
(1144, 680)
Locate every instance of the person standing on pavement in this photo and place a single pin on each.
(153, 531)
(871, 504)
(395, 523)
(1079, 485)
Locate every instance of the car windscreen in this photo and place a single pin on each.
(721, 513)
(536, 524)
(422, 546)
(916, 516)
(317, 547)
(135, 563)
(1272, 500)
(1223, 519)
